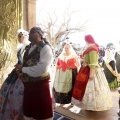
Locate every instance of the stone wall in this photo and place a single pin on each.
(29, 14)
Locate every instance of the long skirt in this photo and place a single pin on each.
(11, 99)
(65, 98)
(37, 101)
(114, 84)
(97, 96)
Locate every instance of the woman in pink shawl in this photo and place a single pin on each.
(91, 91)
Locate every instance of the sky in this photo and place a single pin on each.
(101, 18)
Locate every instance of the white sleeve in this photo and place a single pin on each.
(46, 57)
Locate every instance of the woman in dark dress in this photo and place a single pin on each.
(11, 92)
(109, 65)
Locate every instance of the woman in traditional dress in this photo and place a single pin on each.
(91, 90)
(109, 65)
(66, 71)
(117, 58)
(11, 92)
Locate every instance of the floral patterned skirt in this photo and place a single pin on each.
(97, 96)
(11, 100)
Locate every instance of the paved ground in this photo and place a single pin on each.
(89, 115)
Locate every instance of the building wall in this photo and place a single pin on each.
(29, 14)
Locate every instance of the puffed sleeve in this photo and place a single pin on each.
(93, 59)
(46, 58)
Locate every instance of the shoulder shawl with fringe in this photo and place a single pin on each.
(91, 48)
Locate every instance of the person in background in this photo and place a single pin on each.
(11, 92)
(37, 102)
(109, 65)
(101, 55)
(117, 58)
(66, 71)
(91, 90)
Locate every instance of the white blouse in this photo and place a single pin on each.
(46, 58)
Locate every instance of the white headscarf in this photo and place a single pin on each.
(110, 57)
(26, 41)
(21, 46)
(72, 52)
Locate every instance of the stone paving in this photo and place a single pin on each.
(90, 115)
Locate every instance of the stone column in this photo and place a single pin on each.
(29, 14)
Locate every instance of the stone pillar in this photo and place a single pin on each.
(25, 12)
(29, 14)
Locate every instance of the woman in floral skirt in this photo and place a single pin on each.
(11, 92)
(91, 90)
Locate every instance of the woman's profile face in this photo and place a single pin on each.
(87, 44)
(107, 53)
(20, 38)
(67, 49)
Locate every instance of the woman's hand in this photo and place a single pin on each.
(118, 78)
(18, 67)
(91, 77)
(92, 73)
(23, 78)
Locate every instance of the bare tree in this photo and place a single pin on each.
(57, 30)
